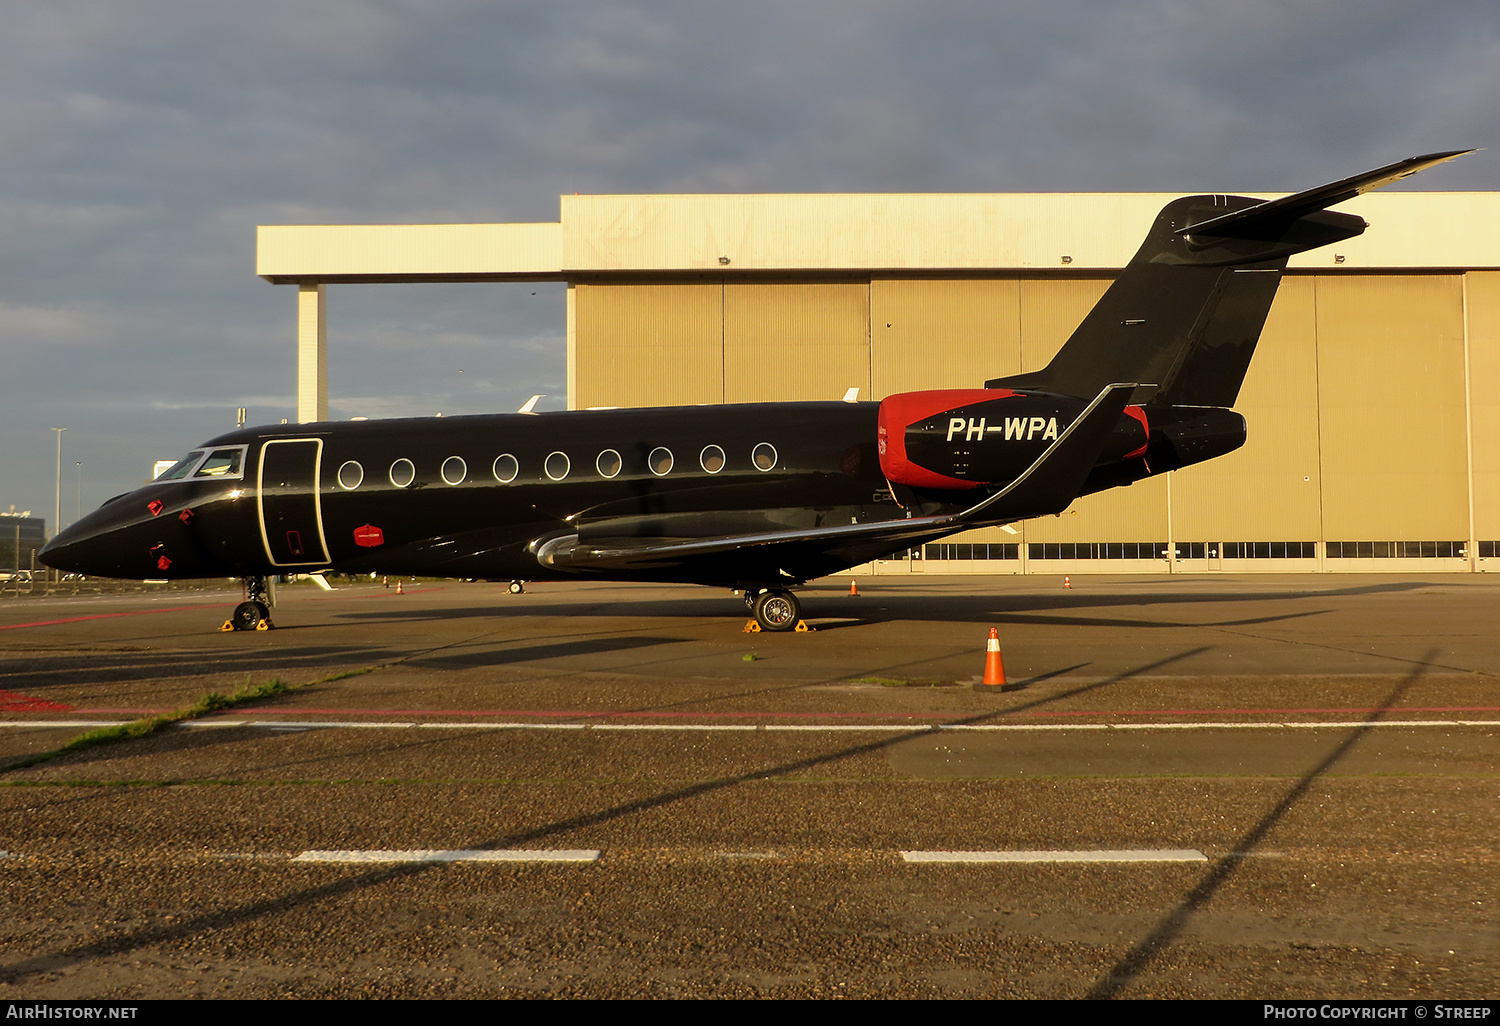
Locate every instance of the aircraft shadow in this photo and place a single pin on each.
(33, 674)
(1171, 926)
(504, 656)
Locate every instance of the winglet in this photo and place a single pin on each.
(529, 406)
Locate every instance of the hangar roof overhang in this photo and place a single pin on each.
(841, 233)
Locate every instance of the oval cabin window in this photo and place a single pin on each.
(455, 470)
(764, 456)
(506, 468)
(557, 466)
(711, 459)
(660, 461)
(403, 473)
(351, 474)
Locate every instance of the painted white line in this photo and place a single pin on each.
(454, 855)
(1006, 728)
(832, 728)
(1145, 855)
(299, 724)
(502, 726)
(60, 724)
(712, 727)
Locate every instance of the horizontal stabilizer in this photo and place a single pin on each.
(1253, 222)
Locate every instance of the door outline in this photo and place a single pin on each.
(317, 497)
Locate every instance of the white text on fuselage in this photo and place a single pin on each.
(1014, 429)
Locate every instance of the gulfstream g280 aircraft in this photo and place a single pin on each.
(756, 497)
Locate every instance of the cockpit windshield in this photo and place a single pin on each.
(222, 463)
(183, 467)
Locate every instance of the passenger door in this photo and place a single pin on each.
(291, 515)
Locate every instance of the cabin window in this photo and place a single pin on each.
(609, 463)
(351, 474)
(403, 473)
(183, 467)
(711, 459)
(763, 456)
(223, 463)
(557, 466)
(455, 470)
(660, 461)
(506, 468)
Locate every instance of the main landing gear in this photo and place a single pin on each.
(253, 614)
(774, 610)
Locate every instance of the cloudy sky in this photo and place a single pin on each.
(141, 142)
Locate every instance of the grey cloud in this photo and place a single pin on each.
(145, 139)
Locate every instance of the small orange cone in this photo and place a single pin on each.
(853, 590)
(994, 666)
(398, 589)
(1067, 581)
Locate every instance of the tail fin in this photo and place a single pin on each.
(1188, 309)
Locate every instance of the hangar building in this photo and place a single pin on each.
(1373, 400)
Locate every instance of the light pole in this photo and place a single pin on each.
(78, 513)
(57, 506)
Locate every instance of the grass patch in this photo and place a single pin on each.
(897, 682)
(211, 702)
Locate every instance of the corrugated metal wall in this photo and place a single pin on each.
(1369, 396)
(649, 345)
(789, 342)
(1483, 295)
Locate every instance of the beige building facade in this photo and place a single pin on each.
(1373, 401)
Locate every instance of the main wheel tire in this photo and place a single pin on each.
(517, 587)
(777, 611)
(249, 615)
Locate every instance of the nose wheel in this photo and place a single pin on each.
(253, 614)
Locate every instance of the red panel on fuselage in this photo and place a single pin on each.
(897, 412)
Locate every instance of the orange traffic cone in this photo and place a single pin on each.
(994, 666)
(853, 590)
(1067, 581)
(398, 589)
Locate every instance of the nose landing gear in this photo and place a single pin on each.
(253, 614)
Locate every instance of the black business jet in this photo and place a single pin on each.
(760, 497)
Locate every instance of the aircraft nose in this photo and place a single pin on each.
(86, 547)
(107, 543)
(61, 553)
